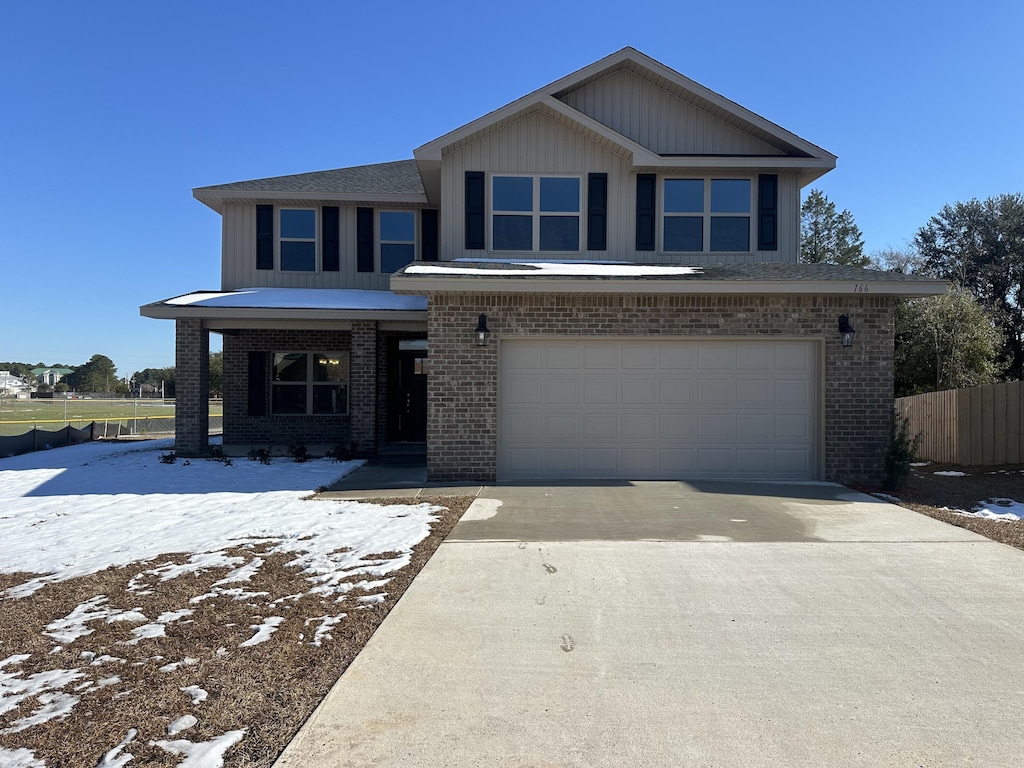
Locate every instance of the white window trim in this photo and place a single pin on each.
(706, 214)
(278, 239)
(379, 241)
(309, 383)
(536, 214)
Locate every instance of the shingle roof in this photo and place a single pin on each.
(397, 178)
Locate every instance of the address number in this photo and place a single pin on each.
(860, 288)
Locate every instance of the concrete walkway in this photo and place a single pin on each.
(672, 624)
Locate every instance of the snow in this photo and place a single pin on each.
(920, 463)
(557, 269)
(24, 758)
(113, 758)
(303, 298)
(188, 661)
(197, 694)
(205, 754)
(183, 723)
(886, 497)
(1004, 510)
(950, 473)
(263, 631)
(16, 688)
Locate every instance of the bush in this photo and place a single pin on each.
(341, 452)
(262, 455)
(167, 458)
(299, 452)
(899, 454)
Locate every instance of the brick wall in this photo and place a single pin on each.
(191, 388)
(463, 385)
(363, 381)
(241, 429)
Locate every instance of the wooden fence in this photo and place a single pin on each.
(972, 427)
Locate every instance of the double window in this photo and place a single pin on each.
(706, 215)
(535, 213)
(309, 383)
(297, 238)
(397, 240)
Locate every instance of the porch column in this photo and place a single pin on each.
(191, 388)
(363, 378)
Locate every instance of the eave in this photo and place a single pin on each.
(216, 199)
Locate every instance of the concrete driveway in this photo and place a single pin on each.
(689, 624)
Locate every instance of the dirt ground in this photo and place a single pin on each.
(938, 495)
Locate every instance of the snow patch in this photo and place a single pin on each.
(557, 268)
(198, 694)
(204, 754)
(1003, 510)
(188, 661)
(183, 723)
(263, 631)
(302, 298)
(20, 758)
(950, 473)
(114, 758)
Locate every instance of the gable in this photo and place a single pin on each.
(662, 122)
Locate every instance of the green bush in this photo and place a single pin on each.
(901, 451)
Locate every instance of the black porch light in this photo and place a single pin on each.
(482, 333)
(846, 330)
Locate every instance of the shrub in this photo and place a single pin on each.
(167, 458)
(262, 455)
(299, 452)
(900, 452)
(341, 452)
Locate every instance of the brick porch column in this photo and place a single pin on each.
(191, 388)
(363, 378)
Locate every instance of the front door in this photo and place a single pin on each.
(407, 391)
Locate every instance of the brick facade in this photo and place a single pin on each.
(192, 388)
(363, 383)
(463, 386)
(320, 431)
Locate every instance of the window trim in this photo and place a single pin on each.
(310, 383)
(278, 239)
(380, 242)
(707, 215)
(536, 214)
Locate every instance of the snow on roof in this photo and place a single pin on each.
(301, 298)
(555, 268)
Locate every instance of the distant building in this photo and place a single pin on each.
(11, 384)
(50, 376)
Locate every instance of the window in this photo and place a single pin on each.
(297, 239)
(397, 240)
(715, 212)
(309, 383)
(532, 211)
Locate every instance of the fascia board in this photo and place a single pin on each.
(215, 197)
(162, 311)
(781, 162)
(440, 284)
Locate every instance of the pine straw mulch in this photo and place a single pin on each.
(268, 689)
(937, 496)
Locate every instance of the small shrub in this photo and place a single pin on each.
(299, 452)
(341, 452)
(901, 451)
(168, 458)
(262, 455)
(216, 452)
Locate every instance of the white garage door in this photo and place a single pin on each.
(636, 409)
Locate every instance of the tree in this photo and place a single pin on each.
(980, 245)
(944, 342)
(216, 374)
(906, 261)
(828, 236)
(97, 375)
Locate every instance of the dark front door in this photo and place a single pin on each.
(407, 392)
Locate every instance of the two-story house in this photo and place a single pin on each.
(598, 280)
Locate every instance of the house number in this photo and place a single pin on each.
(860, 288)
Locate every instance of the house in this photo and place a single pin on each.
(50, 376)
(13, 386)
(598, 280)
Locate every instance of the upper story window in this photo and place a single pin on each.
(297, 238)
(309, 383)
(397, 240)
(706, 215)
(535, 213)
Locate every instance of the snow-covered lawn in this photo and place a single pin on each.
(213, 559)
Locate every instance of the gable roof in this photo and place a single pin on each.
(796, 153)
(393, 182)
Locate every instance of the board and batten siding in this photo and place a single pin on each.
(238, 256)
(540, 144)
(661, 121)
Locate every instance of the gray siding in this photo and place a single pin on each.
(660, 121)
(238, 256)
(539, 143)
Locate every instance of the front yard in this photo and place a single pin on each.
(186, 614)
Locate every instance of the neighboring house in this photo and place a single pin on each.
(50, 376)
(11, 385)
(629, 239)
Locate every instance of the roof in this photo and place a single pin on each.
(62, 371)
(397, 181)
(622, 277)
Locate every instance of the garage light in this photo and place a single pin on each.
(481, 331)
(846, 330)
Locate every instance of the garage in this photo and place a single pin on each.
(635, 409)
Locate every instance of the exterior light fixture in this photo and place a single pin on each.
(481, 331)
(846, 330)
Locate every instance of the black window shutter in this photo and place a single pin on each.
(646, 210)
(597, 212)
(428, 234)
(364, 239)
(476, 211)
(257, 383)
(264, 237)
(329, 224)
(768, 212)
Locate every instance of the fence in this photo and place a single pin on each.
(972, 427)
(43, 439)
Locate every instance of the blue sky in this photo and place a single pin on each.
(113, 111)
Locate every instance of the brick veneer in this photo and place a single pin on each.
(191, 388)
(241, 429)
(463, 407)
(363, 383)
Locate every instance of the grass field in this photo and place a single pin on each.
(19, 416)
